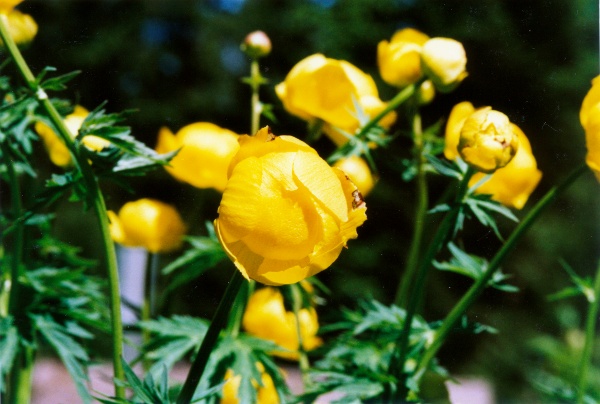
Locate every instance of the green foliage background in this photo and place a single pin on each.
(177, 62)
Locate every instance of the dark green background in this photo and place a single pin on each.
(178, 62)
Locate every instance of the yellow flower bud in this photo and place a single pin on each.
(590, 120)
(285, 214)
(328, 89)
(57, 150)
(148, 223)
(426, 93)
(256, 45)
(21, 27)
(358, 171)
(487, 141)
(400, 59)
(204, 155)
(267, 318)
(266, 394)
(444, 62)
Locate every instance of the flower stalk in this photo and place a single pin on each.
(302, 356)
(96, 200)
(461, 307)
(590, 334)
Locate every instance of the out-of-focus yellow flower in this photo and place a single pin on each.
(487, 141)
(328, 89)
(266, 317)
(266, 394)
(22, 27)
(148, 223)
(7, 5)
(510, 185)
(358, 171)
(206, 150)
(590, 120)
(59, 154)
(444, 61)
(426, 92)
(285, 214)
(399, 59)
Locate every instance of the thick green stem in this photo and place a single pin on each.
(421, 212)
(445, 229)
(465, 302)
(21, 381)
(590, 335)
(210, 339)
(96, 200)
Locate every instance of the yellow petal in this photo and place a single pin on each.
(459, 114)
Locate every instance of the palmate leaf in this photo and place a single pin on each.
(9, 344)
(72, 354)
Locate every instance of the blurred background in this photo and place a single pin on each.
(178, 61)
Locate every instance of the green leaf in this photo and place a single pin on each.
(444, 167)
(56, 83)
(9, 344)
(582, 286)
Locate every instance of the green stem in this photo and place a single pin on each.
(590, 335)
(21, 381)
(302, 356)
(445, 229)
(150, 298)
(210, 339)
(96, 200)
(421, 211)
(239, 306)
(255, 80)
(465, 302)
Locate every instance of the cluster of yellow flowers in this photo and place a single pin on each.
(22, 27)
(589, 116)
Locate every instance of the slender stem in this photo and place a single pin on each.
(210, 339)
(420, 213)
(150, 297)
(590, 335)
(465, 302)
(302, 357)
(255, 79)
(21, 381)
(239, 305)
(95, 199)
(445, 229)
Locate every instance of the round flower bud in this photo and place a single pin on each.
(205, 151)
(285, 214)
(21, 27)
(444, 62)
(256, 45)
(487, 141)
(358, 171)
(147, 223)
(334, 91)
(57, 150)
(426, 93)
(590, 120)
(266, 317)
(399, 60)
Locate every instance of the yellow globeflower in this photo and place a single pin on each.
(285, 214)
(444, 62)
(205, 152)
(400, 59)
(359, 173)
(147, 223)
(487, 141)
(510, 185)
(7, 5)
(266, 394)
(22, 27)
(59, 154)
(267, 318)
(328, 89)
(590, 120)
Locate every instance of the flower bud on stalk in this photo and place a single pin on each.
(22, 27)
(399, 60)
(256, 45)
(444, 62)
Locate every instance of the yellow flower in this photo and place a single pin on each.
(487, 141)
(328, 89)
(426, 92)
(59, 154)
(400, 59)
(590, 120)
(266, 394)
(266, 318)
(510, 185)
(358, 171)
(285, 214)
(22, 27)
(206, 150)
(444, 62)
(147, 223)
(7, 5)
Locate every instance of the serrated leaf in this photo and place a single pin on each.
(57, 83)
(9, 344)
(444, 167)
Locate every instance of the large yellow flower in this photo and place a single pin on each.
(265, 394)
(510, 185)
(58, 151)
(267, 318)
(285, 214)
(590, 120)
(148, 223)
(444, 62)
(328, 89)
(205, 152)
(399, 59)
